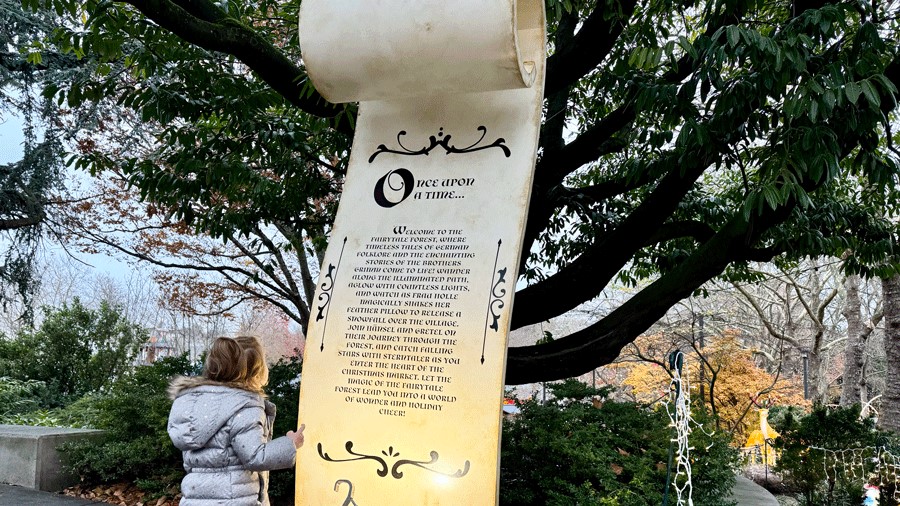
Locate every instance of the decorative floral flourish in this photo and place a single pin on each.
(498, 293)
(327, 288)
(443, 141)
(359, 456)
(325, 295)
(390, 453)
(422, 464)
(495, 300)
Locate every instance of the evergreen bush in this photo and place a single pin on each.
(19, 396)
(583, 451)
(284, 391)
(803, 466)
(75, 352)
(134, 415)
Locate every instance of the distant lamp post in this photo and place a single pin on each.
(804, 354)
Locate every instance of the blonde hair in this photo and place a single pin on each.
(241, 360)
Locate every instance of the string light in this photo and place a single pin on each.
(878, 458)
(679, 410)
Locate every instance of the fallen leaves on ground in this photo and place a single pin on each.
(123, 494)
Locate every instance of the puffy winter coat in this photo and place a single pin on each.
(224, 433)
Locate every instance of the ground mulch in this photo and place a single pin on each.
(123, 494)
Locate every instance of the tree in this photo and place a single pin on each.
(681, 141)
(733, 383)
(274, 329)
(197, 274)
(794, 309)
(890, 406)
(29, 186)
(854, 387)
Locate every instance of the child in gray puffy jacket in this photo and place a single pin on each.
(222, 423)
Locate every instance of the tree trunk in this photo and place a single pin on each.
(853, 352)
(816, 388)
(889, 418)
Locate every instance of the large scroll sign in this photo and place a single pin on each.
(403, 373)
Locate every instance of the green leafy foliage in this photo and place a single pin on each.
(134, 414)
(805, 468)
(284, 391)
(17, 396)
(578, 451)
(76, 351)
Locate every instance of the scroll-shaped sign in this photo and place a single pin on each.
(406, 348)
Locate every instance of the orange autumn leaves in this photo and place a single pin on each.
(738, 385)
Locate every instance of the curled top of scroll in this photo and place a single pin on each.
(362, 50)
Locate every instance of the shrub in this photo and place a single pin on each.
(573, 453)
(134, 415)
(76, 351)
(81, 414)
(284, 391)
(804, 468)
(18, 396)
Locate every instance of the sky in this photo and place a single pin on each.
(11, 138)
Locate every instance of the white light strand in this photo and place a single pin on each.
(884, 465)
(679, 411)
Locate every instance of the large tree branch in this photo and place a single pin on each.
(765, 320)
(595, 142)
(873, 322)
(586, 276)
(24, 222)
(589, 48)
(200, 22)
(599, 139)
(601, 342)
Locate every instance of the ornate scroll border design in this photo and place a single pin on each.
(325, 295)
(495, 300)
(443, 141)
(390, 453)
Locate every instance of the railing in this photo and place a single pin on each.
(759, 454)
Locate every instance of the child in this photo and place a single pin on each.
(222, 423)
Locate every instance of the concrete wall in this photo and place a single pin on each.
(29, 456)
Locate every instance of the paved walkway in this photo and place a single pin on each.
(747, 493)
(20, 496)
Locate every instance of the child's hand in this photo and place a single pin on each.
(297, 437)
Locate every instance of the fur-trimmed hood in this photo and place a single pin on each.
(181, 383)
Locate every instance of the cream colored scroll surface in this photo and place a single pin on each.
(403, 371)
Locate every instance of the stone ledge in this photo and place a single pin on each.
(30, 458)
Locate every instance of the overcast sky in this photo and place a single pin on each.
(11, 138)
